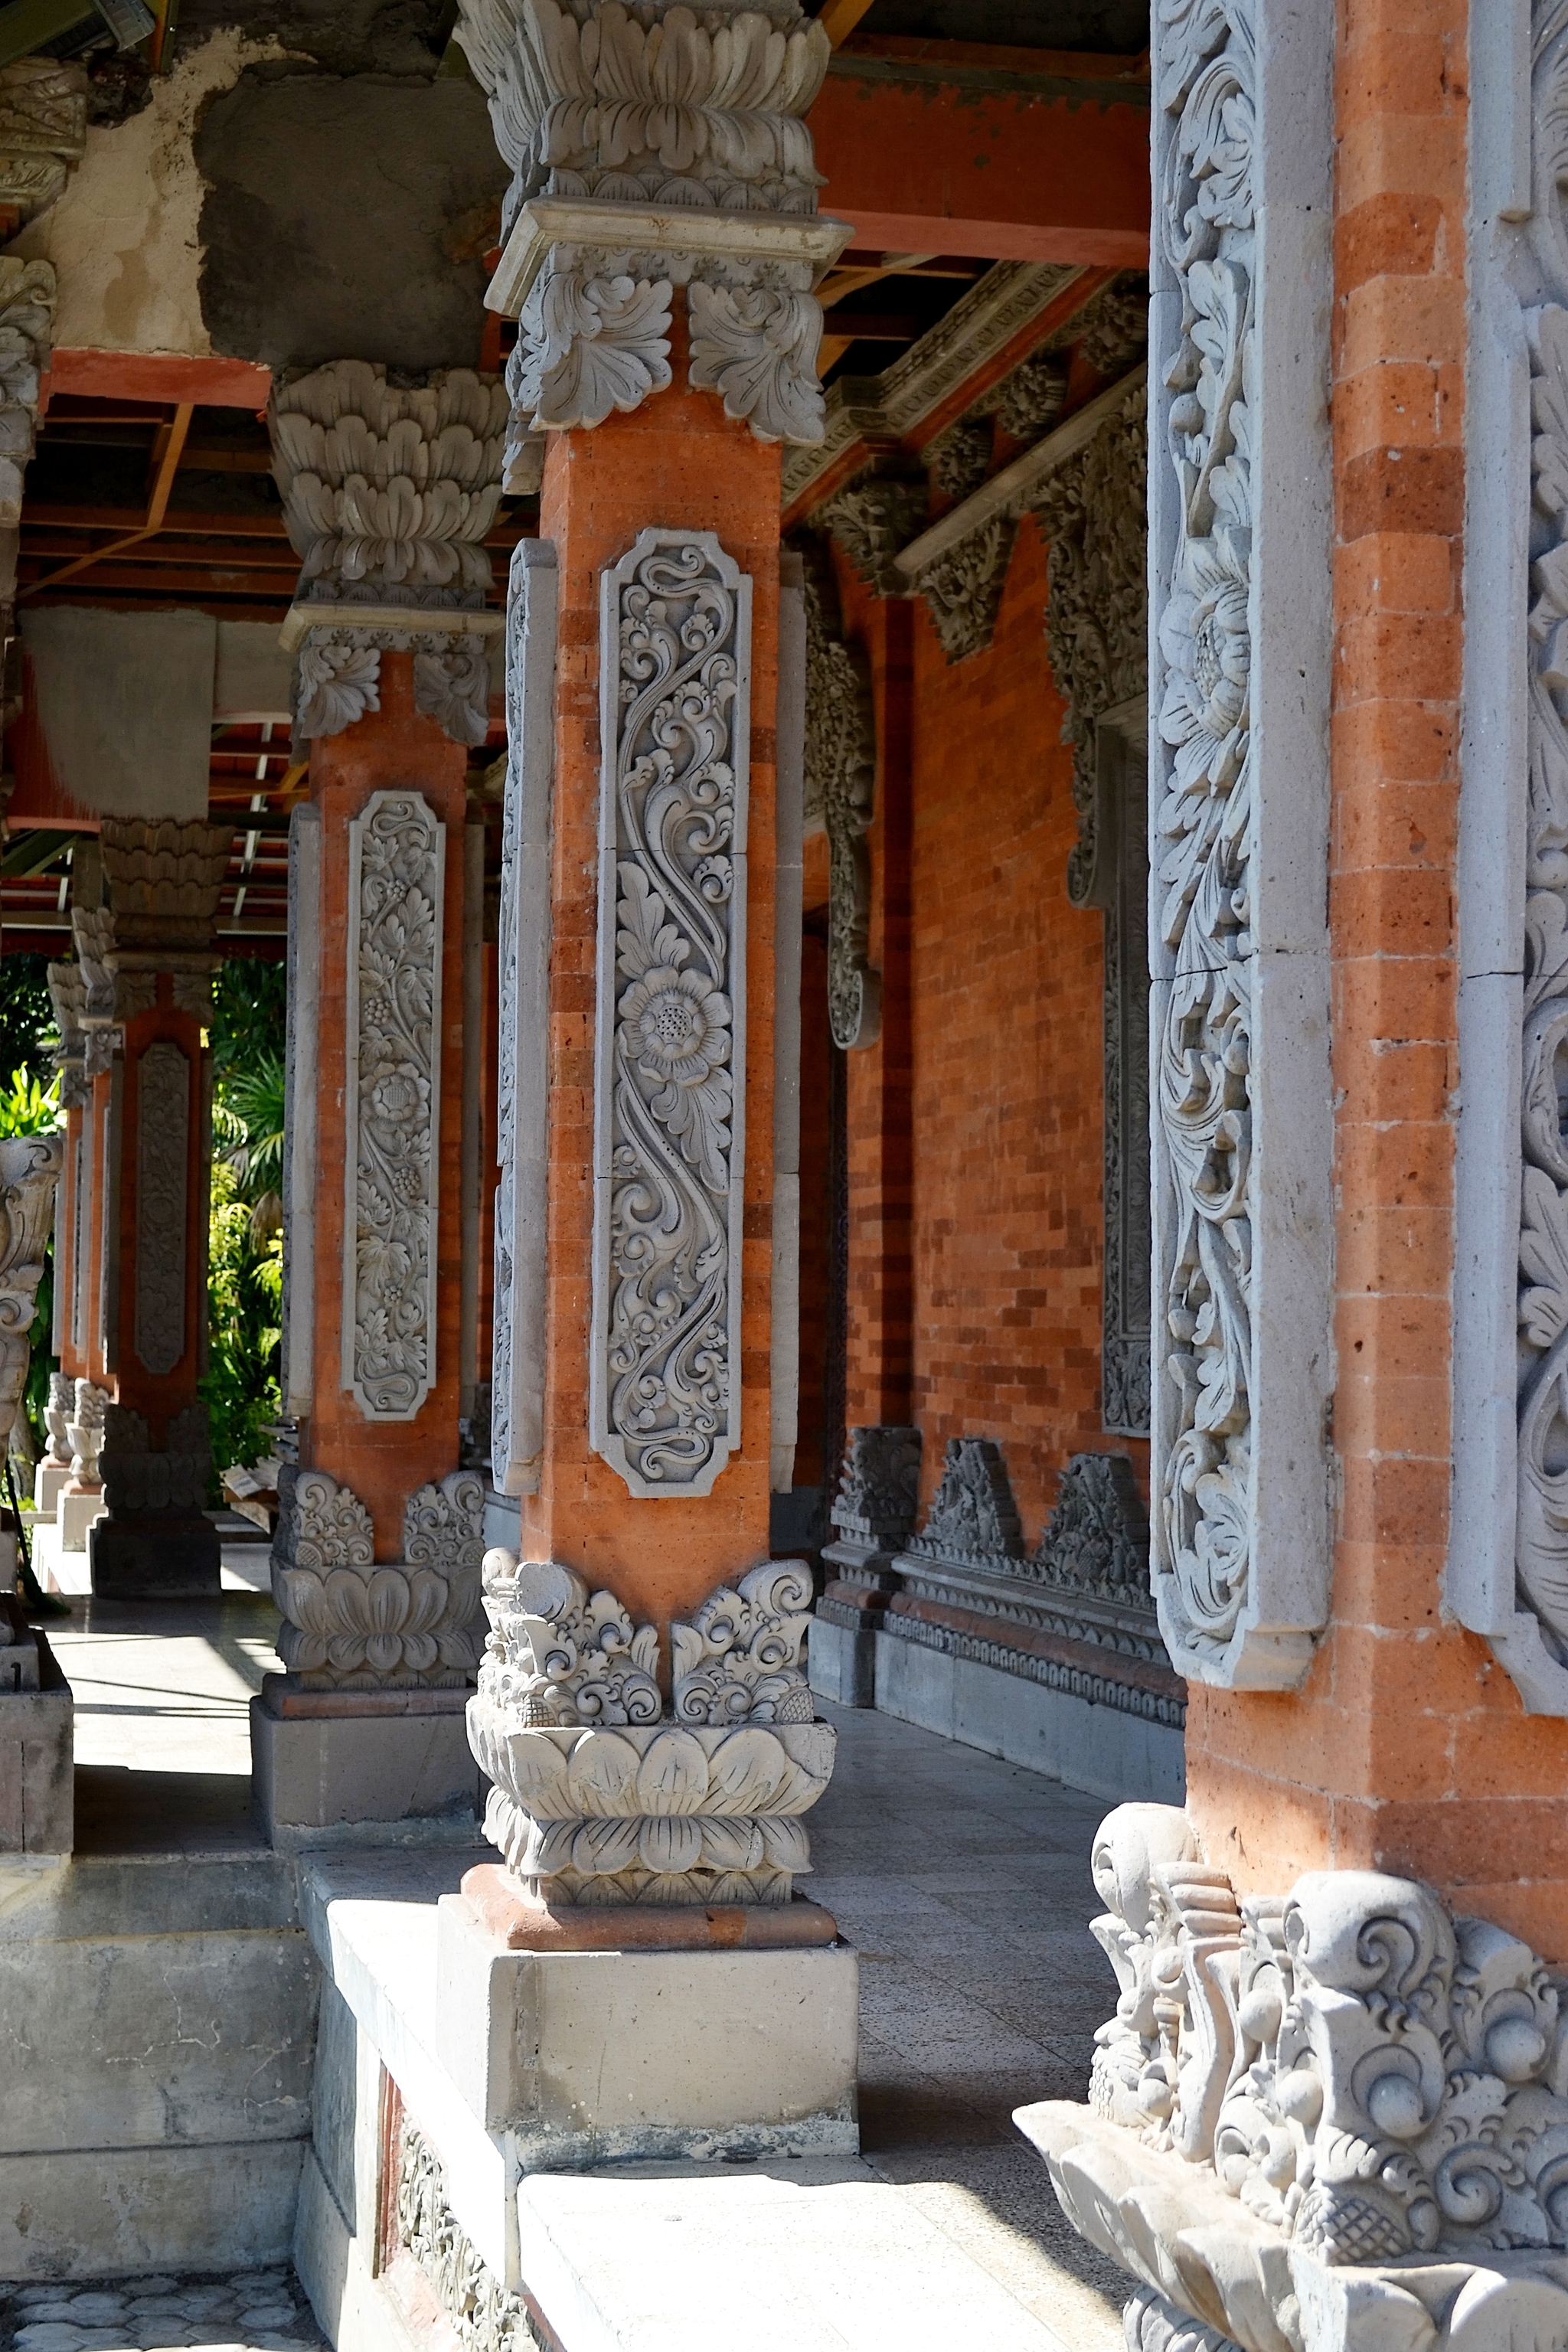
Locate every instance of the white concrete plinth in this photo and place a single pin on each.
(75, 1515)
(842, 1665)
(47, 1480)
(393, 1779)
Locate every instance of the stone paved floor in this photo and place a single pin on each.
(964, 1882)
(255, 2311)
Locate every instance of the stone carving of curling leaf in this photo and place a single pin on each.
(757, 349)
(738, 1660)
(586, 345)
(560, 1654)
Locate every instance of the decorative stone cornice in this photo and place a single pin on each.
(654, 147)
(29, 1172)
(1318, 2104)
(43, 132)
(840, 779)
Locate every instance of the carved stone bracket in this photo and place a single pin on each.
(337, 678)
(871, 521)
(840, 780)
(598, 1796)
(664, 1401)
(1304, 2098)
(396, 868)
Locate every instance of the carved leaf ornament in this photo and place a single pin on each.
(840, 780)
(396, 865)
(1203, 822)
(676, 656)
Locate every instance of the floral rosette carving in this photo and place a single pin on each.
(1204, 793)
(738, 1660)
(667, 1089)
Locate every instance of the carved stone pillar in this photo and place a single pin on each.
(376, 1563)
(67, 990)
(146, 952)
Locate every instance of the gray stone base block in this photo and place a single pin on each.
(111, 2212)
(47, 1480)
(374, 1780)
(594, 2057)
(842, 1665)
(76, 1515)
(151, 1558)
(1110, 1754)
(37, 1772)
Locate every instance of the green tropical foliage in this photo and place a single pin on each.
(30, 1108)
(244, 1261)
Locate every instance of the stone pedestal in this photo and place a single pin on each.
(341, 1768)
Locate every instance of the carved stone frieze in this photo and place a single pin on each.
(1303, 2090)
(665, 1355)
(140, 1479)
(598, 1796)
(871, 521)
(738, 1660)
(1238, 831)
(484, 2317)
(351, 1624)
(959, 459)
(389, 491)
(396, 865)
(29, 1175)
(1098, 1537)
(162, 1183)
(973, 1516)
(841, 782)
(43, 132)
(963, 588)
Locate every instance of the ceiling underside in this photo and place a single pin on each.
(1099, 25)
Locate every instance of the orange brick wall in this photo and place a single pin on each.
(1408, 1749)
(1004, 1057)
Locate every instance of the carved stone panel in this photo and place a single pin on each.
(1241, 663)
(392, 1095)
(840, 780)
(163, 1186)
(675, 682)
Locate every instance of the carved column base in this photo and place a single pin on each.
(152, 1555)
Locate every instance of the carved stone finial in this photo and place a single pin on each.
(973, 1516)
(879, 1486)
(85, 1433)
(690, 126)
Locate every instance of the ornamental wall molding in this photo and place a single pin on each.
(139, 1478)
(840, 785)
(598, 1795)
(1240, 656)
(517, 1413)
(1507, 1573)
(669, 1091)
(1315, 2106)
(352, 1625)
(389, 491)
(484, 2317)
(43, 132)
(163, 1186)
(392, 1098)
(29, 1178)
(653, 148)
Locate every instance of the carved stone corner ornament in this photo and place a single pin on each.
(57, 1415)
(653, 148)
(840, 783)
(600, 1797)
(43, 132)
(85, 1434)
(351, 1624)
(29, 1175)
(1341, 2103)
(664, 1353)
(973, 1516)
(392, 950)
(1241, 1116)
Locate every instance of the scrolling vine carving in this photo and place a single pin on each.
(396, 864)
(840, 779)
(676, 669)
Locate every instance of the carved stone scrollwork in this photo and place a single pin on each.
(587, 345)
(1238, 829)
(353, 1625)
(1097, 1537)
(484, 2317)
(959, 459)
(676, 662)
(335, 685)
(756, 346)
(1339, 2079)
(973, 1516)
(30, 1173)
(963, 590)
(1028, 402)
(871, 521)
(600, 1798)
(879, 1486)
(840, 780)
(396, 864)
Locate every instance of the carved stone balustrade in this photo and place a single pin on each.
(600, 1796)
(1334, 2119)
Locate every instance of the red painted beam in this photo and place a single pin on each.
(166, 377)
(1008, 176)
